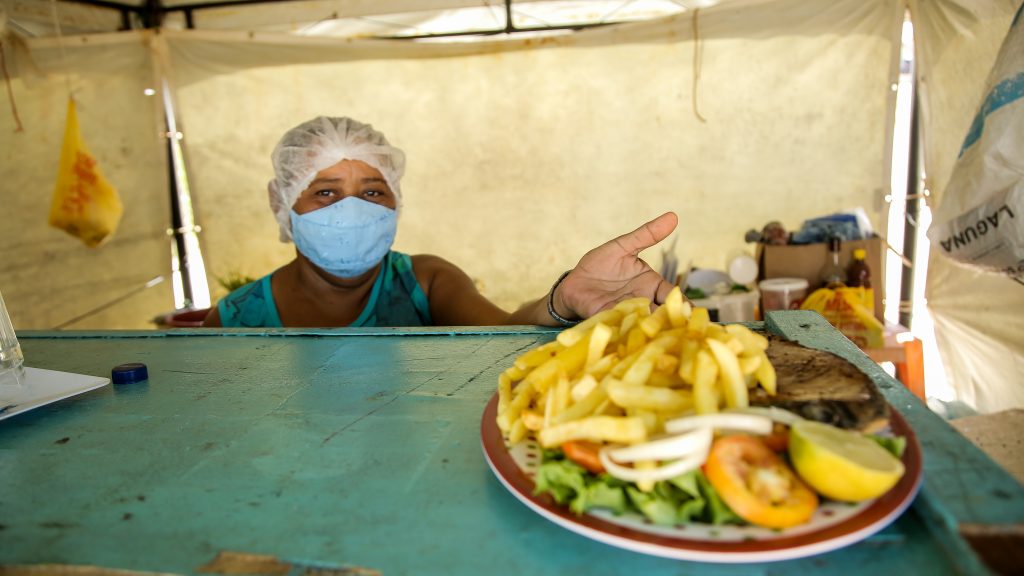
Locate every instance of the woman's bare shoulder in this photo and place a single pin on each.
(431, 262)
(431, 270)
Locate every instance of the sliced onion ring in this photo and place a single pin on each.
(780, 415)
(671, 470)
(667, 448)
(732, 422)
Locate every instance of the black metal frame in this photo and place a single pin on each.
(911, 216)
(152, 13)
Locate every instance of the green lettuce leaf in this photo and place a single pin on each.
(894, 444)
(685, 498)
(718, 511)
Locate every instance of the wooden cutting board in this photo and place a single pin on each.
(821, 386)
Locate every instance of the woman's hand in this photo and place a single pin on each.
(613, 272)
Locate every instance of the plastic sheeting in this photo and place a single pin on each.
(523, 155)
(48, 277)
(979, 324)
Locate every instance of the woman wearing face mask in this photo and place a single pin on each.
(336, 195)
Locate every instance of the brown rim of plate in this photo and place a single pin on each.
(517, 479)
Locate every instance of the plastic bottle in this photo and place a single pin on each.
(11, 359)
(832, 273)
(859, 273)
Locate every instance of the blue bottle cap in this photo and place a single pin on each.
(129, 373)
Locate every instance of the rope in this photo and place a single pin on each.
(60, 42)
(10, 90)
(698, 57)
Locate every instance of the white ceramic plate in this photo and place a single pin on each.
(40, 387)
(833, 526)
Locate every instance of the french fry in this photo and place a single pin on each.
(687, 359)
(603, 366)
(650, 418)
(523, 394)
(561, 395)
(570, 336)
(585, 407)
(517, 433)
(677, 308)
(570, 360)
(639, 305)
(765, 374)
(504, 392)
(639, 372)
(599, 338)
(620, 369)
(748, 364)
(514, 374)
(628, 322)
(538, 356)
(617, 429)
(532, 420)
(584, 386)
(751, 340)
(699, 322)
(666, 363)
(635, 340)
(735, 345)
(735, 390)
(665, 380)
(645, 485)
(669, 340)
(715, 331)
(609, 408)
(655, 322)
(705, 396)
(648, 397)
(549, 405)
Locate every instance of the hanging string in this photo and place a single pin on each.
(10, 90)
(63, 54)
(698, 57)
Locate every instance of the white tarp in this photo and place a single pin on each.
(979, 318)
(48, 277)
(523, 155)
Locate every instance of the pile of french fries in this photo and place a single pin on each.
(619, 375)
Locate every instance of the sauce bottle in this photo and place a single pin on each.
(832, 274)
(859, 274)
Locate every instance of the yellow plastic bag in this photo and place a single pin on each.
(845, 309)
(84, 204)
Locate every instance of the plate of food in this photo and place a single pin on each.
(659, 433)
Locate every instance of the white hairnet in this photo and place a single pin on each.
(321, 143)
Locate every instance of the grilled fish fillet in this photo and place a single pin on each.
(821, 386)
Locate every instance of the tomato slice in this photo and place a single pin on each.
(757, 484)
(584, 453)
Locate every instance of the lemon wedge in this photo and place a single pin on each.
(842, 464)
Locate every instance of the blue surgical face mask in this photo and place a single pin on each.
(346, 238)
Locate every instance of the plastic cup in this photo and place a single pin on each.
(11, 358)
(782, 293)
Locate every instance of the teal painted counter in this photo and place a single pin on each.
(362, 448)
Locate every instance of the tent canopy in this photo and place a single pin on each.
(524, 152)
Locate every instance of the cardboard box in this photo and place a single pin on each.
(806, 261)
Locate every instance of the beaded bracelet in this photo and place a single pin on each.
(551, 303)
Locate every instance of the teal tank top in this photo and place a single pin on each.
(395, 300)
